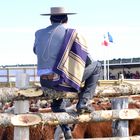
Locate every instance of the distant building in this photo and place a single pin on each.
(130, 67)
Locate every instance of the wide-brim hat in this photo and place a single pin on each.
(58, 11)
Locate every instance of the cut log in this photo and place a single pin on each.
(96, 116)
(30, 92)
(68, 118)
(120, 90)
(25, 120)
(8, 94)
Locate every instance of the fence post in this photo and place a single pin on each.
(8, 76)
(20, 133)
(120, 127)
(21, 106)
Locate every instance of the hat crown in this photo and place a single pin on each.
(57, 10)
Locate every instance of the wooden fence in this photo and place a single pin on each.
(21, 120)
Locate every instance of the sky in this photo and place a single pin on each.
(19, 19)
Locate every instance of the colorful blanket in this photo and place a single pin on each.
(71, 60)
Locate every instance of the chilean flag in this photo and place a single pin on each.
(107, 39)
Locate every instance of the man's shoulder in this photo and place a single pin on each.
(46, 29)
(40, 30)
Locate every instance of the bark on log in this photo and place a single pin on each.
(5, 119)
(120, 90)
(8, 94)
(96, 116)
(68, 118)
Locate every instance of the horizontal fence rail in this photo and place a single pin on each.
(28, 119)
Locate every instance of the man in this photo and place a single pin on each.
(64, 64)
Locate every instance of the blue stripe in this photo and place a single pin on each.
(79, 51)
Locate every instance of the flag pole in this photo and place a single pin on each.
(107, 52)
(110, 40)
(105, 77)
(106, 42)
(108, 69)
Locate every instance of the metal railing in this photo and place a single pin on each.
(8, 74)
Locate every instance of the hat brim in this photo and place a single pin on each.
(58, 14)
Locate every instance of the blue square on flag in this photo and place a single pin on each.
(110, 38)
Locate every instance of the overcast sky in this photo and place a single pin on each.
(21, 18)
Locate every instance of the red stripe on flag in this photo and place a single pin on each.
(105, 43)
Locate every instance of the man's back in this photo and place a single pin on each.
(48, 43)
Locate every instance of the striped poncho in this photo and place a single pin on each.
(70, 63)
